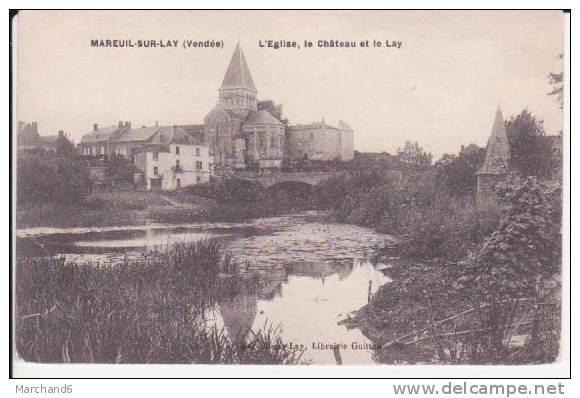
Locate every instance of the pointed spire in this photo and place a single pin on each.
(497, 154)
(238, 74)
(498, 124)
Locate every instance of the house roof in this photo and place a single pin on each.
(138, 134)
(311, 126)
(197, 131)
(27, 134)
(47, 139)
(261, 117)
(166, 135)
(170, 135)
(238, 73)
(101, 134)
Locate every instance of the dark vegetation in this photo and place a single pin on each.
(51, 178)
(238, 199)
(472, 279)
(431, 211)
(531, 154)
(147, 311)
(470, 311)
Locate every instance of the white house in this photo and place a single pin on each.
(171, 159)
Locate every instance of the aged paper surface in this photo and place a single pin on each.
(289, 188)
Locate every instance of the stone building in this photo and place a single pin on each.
(320, 141)
(171, 159)
(100, 143)
(28, 139)
(496, 167)
(238, 134)
(237, 100)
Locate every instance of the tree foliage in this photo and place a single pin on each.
(47, 177)
(413, 156)
(526, 246)
(455, 174)
(530, 154)
(556, 80)
(121, 170)
(274, 109)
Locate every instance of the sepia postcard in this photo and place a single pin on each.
(216, 189)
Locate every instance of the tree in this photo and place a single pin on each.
(413, 156)
(455, 174)
(47, 177)
(121, 170)
(556, 80)
(274, 109)
(65, 148)
(529, 152)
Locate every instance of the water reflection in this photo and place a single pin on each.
(311, 274)
(238, 314)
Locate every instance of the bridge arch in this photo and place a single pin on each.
(268, 180)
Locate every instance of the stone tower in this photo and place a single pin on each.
(238, 92)
(496, 167)
(237, 100)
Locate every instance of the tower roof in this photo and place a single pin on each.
(497, 153)
(238, 73)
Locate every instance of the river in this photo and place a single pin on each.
(313, 273)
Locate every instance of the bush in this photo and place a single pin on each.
(445, 227)
(513, 263)
(228, 190)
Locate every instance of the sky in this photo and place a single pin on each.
(440, 88)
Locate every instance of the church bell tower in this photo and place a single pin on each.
(238, 92)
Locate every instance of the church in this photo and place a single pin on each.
(240, 135)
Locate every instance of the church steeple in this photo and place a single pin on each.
(497, 154)
(238, 91)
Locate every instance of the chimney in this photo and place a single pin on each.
(95, 127)
(35, 127)
(120, 124)
(128, 125)
(60, 133)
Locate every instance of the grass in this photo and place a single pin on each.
(147, 311)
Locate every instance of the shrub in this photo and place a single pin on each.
(514, 262)
(445, 227)
(228, 190)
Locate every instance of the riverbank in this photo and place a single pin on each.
(497, 303)
(137, 208)
(422, 316)
(148, 311)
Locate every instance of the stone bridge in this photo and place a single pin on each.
(312, 178)
(268, 180)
